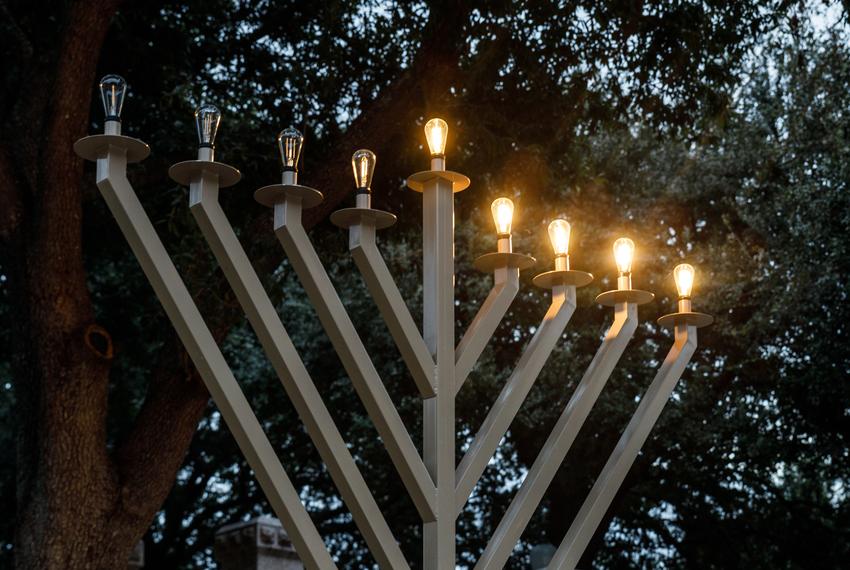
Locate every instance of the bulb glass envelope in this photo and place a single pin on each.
(503, 213)
(436, 133)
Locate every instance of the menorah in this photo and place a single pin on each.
(438, 487)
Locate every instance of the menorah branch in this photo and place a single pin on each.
(628, 447)
(393, 309)
(204, 205)
(487, 319)
(514, 392)
(557, 445)
(111, 156)
(352, 353)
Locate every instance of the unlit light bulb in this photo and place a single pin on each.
(436, 131)
(503, 213)
(363, 164)
(624, 254)
(289, 143)
(684, 276)
(207, 120)
(559, 235)
(112, 91)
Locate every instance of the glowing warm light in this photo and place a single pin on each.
(559, 235)
(503, 213)
(684, 276)
(363, 165)
(436, 131)
(624, 254)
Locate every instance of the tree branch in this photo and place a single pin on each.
(154, 450)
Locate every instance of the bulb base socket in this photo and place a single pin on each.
(206, 152)
(504, 244)
(562, 262)
(685, 304)
(624, 281)
(363, 200)
(363, 190)
(112, 126)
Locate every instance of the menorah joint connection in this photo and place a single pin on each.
(438, 487)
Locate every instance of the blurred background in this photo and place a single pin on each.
(712, 133)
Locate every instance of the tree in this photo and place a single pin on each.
(90, 411)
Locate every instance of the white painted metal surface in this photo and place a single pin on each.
(196, 337)
(438, 330)
(549, 459)
(624, 455)
(437, 486)
(516, 389)
(487, 319)
(354, 357)
(203, 199)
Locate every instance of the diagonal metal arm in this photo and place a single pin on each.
(624, 455)
(203, 198)
(549, 459)
(290, 232)
(393, 309)
(487, 319)
(513, 394)
(184, 315)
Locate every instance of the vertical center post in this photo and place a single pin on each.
(438, 332)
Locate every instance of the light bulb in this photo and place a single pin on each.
(624, 253)
(207, 119)
(684, 276)
(559, 235)
(289, 143)
(436, 131)
(503, 213)
(363, 164)
(112, 91)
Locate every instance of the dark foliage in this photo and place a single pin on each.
(711, 132)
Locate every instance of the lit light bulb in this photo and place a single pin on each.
(559, 235)
(112, 91)
(684, 276)
(207, 120)
(624, 253)
(363, 164)
(436, 131)
(503, 213)
(289, 143)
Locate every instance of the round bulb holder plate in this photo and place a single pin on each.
(552, 279)
(187, 171)
(490, 262)
(697, 320)
(417, 181)
(95, 146)
(277, 193)
(348, 217)
(634, 296)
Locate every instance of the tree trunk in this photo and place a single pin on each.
(78, 507)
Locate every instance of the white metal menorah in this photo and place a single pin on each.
(438, 487)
